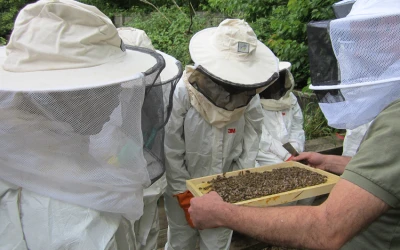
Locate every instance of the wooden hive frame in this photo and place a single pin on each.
(198, 186)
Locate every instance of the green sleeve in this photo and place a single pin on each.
(376, 166)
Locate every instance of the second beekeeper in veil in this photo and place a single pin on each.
(155, 112)
(215, 124)
(283, 120)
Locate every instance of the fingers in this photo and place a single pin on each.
(302, 156)
(200, 211)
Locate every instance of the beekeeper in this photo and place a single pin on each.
(283, 120)
(61, 77)
(363, 208)
(155, 112)
(215, 123)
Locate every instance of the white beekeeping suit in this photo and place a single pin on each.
(353, 139)
(283, 120)
(215, 123)
(54, 192)
(146, 229)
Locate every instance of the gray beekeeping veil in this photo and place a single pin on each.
(156, 107)
(63, 74)
(277, 96)
(365, 44)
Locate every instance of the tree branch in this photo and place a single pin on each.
(179, 8)
(147, 2)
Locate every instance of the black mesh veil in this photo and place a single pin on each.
(324, 68)
(222, 93)
(156, 110)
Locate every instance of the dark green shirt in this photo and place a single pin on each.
(376, 168)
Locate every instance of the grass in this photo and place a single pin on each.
(315, 123)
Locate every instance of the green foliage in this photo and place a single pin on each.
(109, 8)
(249, 10)
(169, 31)
(3, 41)
(288, 33)
(294, 52)
(8, 13)
(307, 89)
(315, 123)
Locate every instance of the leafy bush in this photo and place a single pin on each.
(8, 13)
(315, 123)
(244, 9)
(3, 41)
(169, 30)
(109, 8)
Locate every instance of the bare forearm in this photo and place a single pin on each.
(336, 163)
(310, 227)
(298, 226)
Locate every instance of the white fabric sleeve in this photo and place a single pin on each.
(353, 139)
(174, 144)
(267, 155)
(271, 150)
(297, 136)
(252, 133)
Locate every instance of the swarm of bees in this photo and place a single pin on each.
(249, 185)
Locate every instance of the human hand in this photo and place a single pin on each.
(206, 211)
(314, 159)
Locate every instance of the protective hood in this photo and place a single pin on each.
(277, 96)
(214, 115)
(157, 105)
(365, 44)
(49, 117)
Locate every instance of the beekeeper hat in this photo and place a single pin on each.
(284, 71)
(137, 37)
(231, 52)
(62, 45)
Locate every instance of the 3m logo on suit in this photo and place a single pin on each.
(231, 130)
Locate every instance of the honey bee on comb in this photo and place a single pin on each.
(249, 185)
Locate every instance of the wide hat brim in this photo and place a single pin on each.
(283, 65)
(129, 67)
(261, 68)
(172, 70)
